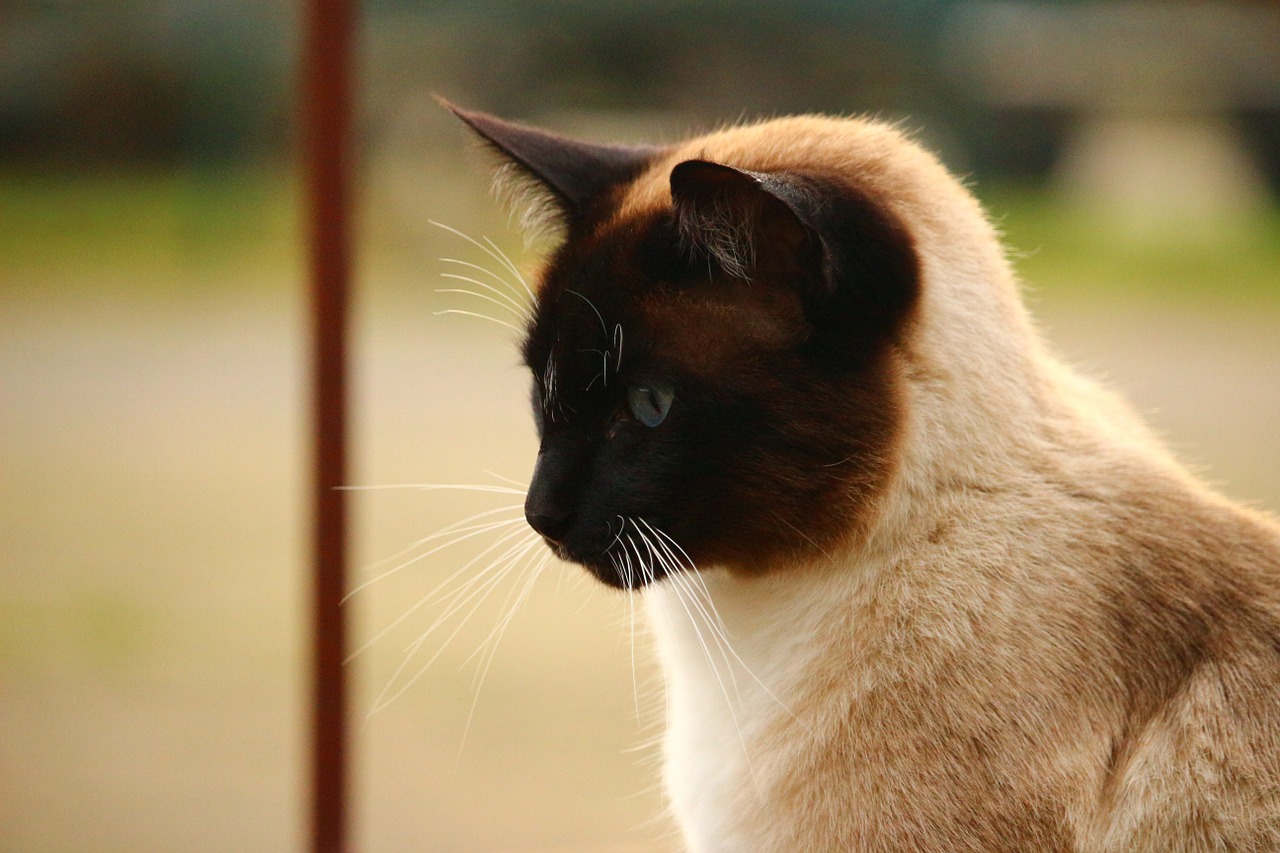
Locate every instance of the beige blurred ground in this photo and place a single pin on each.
(153, 536)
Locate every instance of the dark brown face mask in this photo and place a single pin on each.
(708, 377)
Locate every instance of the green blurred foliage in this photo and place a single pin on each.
(151, 222)
(1061, 250)
(195, 81)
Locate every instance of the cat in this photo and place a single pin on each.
(784, 382)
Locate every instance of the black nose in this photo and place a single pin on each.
(547, 505)
(543, 510)
(552, 525)
(552, 521)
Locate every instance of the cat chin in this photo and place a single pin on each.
(609, 568)
(605, 571)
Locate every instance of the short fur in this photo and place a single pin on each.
(974, 604)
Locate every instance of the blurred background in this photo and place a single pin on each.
(152, 369)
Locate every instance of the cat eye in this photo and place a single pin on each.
(650, 403)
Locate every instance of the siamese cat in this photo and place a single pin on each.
(916, 585)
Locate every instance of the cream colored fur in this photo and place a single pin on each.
(945, 683)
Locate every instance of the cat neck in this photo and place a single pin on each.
(734, 651)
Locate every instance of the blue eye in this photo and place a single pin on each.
(650, 403)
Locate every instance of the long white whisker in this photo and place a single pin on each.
(491, 644)
(671, 543)
(718, 636)
(429, 487)
(522, 487)
(646, 570)
(635, 567)
(680, 589)
(805, 536)
(464, 534)
(491, 250)
(506, 261)
(382, 700)
(717, 623)
(604, 372)
(453, 527)
(508, 609)
(515, 293)
(477, 589)
(504, 306)
(480, 316)
(473, 586)
(678, 584)
(663, 553)
(505, 298)
(631, 630)
(504, 565)
(628, 578)
(599, 316)
(622, 525)
(436, 594)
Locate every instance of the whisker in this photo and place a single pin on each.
(504, 306)
(516, 295)
(453, 527)
(508, 609)
(779, 517)
(491, 250)
(631, 645)
(504, 565)
(603, 328)
(604, 354)
(505, 298)
(717, 624)
(622, 525)
(432, 487)
(479, 316)
(599, 317)
(717, 632)
(477, 589)
(436, 594)
(549, 387)
(678, 583)
(491, 643)
(471, 586)
(465, 533)
(506, 261)
(663, 536)
(522, 487)
(510, 264)
(681, 590)
(629, 579)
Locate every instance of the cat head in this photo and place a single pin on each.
(713, 349)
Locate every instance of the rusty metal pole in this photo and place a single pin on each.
(329, 27)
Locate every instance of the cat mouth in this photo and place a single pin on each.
(613, 568)
(621, 576)
(629, 554)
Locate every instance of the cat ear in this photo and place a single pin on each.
(750, 223)
(576, 173)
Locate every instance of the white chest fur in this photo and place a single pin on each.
(733, 654)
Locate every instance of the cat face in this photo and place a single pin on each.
(713, 364)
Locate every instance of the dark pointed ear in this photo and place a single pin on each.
(848, 257)
(576, 173)
(751, 224)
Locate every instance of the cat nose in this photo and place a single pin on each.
(551, 522)
(544, 508)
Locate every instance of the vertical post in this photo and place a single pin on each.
(326, 117)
